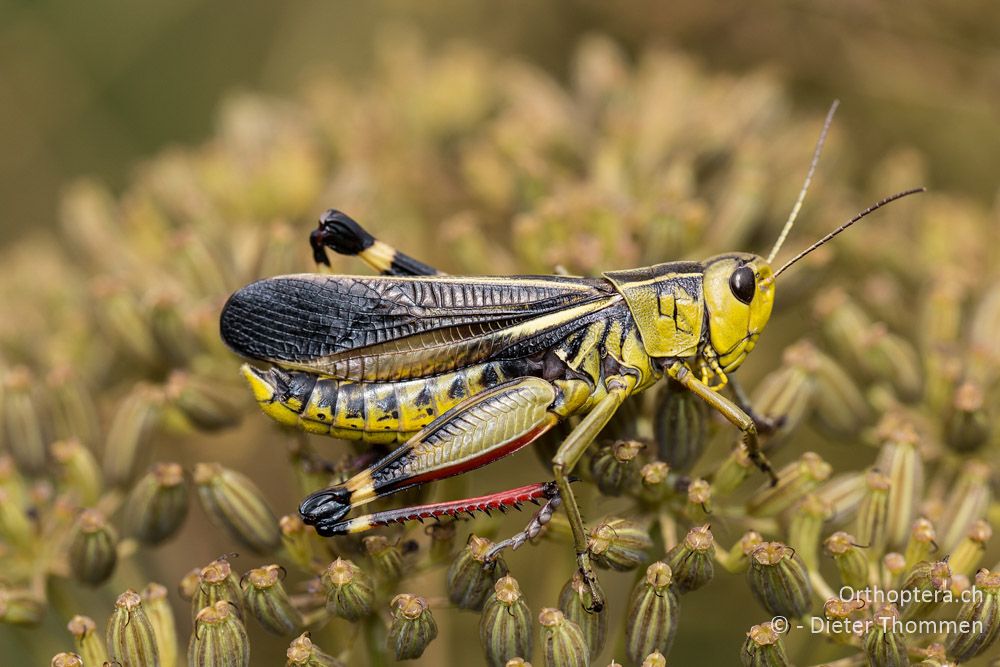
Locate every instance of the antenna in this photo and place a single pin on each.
(871, 209)
(805, 185)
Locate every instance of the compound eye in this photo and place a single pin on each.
(743, 284)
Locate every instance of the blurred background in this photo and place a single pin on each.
(100, 89)
(92, 89)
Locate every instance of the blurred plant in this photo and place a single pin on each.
(491, 167)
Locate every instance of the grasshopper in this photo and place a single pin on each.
(462, 371)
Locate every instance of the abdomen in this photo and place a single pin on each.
(388, 412)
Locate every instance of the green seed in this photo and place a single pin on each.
(692, 560)
(929, 580)
(413, 627)
(921, 542)
(563, 643)
(970, 551)
(764, 648)
(93, 549)
(981, 616)
(851, 560)
(161, 618)
(235, 504)
(652, 614)
(88, 643)
(470, 577)
(613, 468)
(618, 544)
(794, 481)
(268, 601)
(71, 407)
(680, 426)
(217, 583)
(778, 580)
(219, 638)
(67, 660)
(297, 540)
(349, 592)
(967, 426)
(206, 403)
(873, 515)
(385, 557)
(131, 429)
(302, 652)
(20, 607)
(21, 423)
(79, 472)
(505, 628)
(158, 504)
(130, 638)
(884, 645)
(576, 603)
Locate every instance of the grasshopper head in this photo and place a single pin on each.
(739, 293)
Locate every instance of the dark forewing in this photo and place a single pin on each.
(384, 328)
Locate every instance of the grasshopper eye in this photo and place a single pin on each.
(743, 284)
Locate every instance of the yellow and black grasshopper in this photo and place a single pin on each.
(465, 370)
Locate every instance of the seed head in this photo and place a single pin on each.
(563, 643)
(692, 560)
(618, 544)
(158, 504)
(298, 541)
(129, 434)
(967, 426)
(386, 557)
(67, 660)
(652, 613)
(931, 577)
(794, 481)
(219, 638)
(218, 583)
(349, 592)
(235, 504)
(21, 423)
(883, 644)
(470, 577)
(268, 602)
(130, 638)
(161, 619)
(413, 627)
(86, 640)
(505, 627)
(981, 613)
(680, 426)
(78, 470)
(764, 648)
(93, 550)
(852, 563)
(302, 652)
(576, 604)
(779, 581)
(613, 468)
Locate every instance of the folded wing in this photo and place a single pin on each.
(392, 328)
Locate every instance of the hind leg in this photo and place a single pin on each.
(342, 234)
